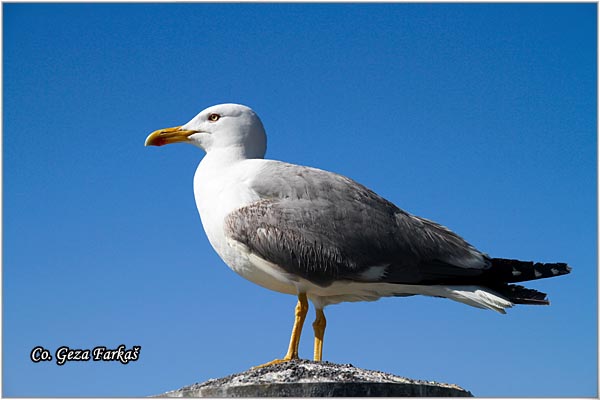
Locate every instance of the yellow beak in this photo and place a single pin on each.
(168, 136)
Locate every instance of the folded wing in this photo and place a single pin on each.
(325, 227)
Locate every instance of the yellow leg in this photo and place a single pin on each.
(292, 353)
(319, 327)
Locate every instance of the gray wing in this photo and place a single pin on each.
(325, 227)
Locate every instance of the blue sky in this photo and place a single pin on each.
(481, 117)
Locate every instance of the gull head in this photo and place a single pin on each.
(224, 126)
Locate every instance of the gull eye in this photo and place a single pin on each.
(214, 117)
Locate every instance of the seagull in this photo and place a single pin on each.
(325, 238)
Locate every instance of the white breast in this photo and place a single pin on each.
(220, 189)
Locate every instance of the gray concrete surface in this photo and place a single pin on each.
(303, 378)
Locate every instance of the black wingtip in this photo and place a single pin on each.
(556, 268)
(568, 269)
(518, 271)
(522, 295)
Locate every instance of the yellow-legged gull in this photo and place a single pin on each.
(325, 238)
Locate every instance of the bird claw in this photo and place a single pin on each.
(276, 361)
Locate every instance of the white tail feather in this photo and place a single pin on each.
(479, 297)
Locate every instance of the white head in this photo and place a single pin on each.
(225, 126)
